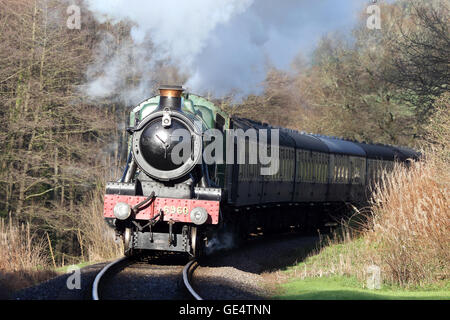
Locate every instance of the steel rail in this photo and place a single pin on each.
(187, 274)
(99, 276)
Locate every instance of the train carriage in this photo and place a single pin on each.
(164, 204)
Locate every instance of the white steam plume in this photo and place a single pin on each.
(216, 45)
(179, 31)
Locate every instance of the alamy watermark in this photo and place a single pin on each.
(74, 19)
(74, 280)
(373, 277)
(231, 146)
(374, 19)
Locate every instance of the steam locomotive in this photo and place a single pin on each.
(165, 203)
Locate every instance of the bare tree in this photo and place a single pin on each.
(421, 55)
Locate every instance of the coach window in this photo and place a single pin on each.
(338, 168)
(347, 170)
(320, 168)
(335, 170)
(313, 167)
(282, 165)
(302, 167)
(292, 164)
(339, 164)
(316, 167)
(286, 163)
(292, 174)
(288, 166)
(306, 166)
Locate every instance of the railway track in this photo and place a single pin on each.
(115, 266)
(188, 270)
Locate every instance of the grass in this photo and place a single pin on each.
(349, 288)
(337, 272)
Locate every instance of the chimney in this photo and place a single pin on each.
(170, 97)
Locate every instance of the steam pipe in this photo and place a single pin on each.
(131, 171)
(126, 167)
(209, 182)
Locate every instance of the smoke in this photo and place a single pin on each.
(110, 74)
(212, 46)
(221, 240)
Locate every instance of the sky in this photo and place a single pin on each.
(221, 44)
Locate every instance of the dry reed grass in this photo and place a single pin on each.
(23, 256)
(96, 238)
(410, 223)
(19, 248)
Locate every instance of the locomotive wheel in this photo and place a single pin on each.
(196, 243)
(127, 240)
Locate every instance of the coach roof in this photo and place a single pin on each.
(340, 146)
(245, 124)
(404, 153)
(377, 151)
(307, 142)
